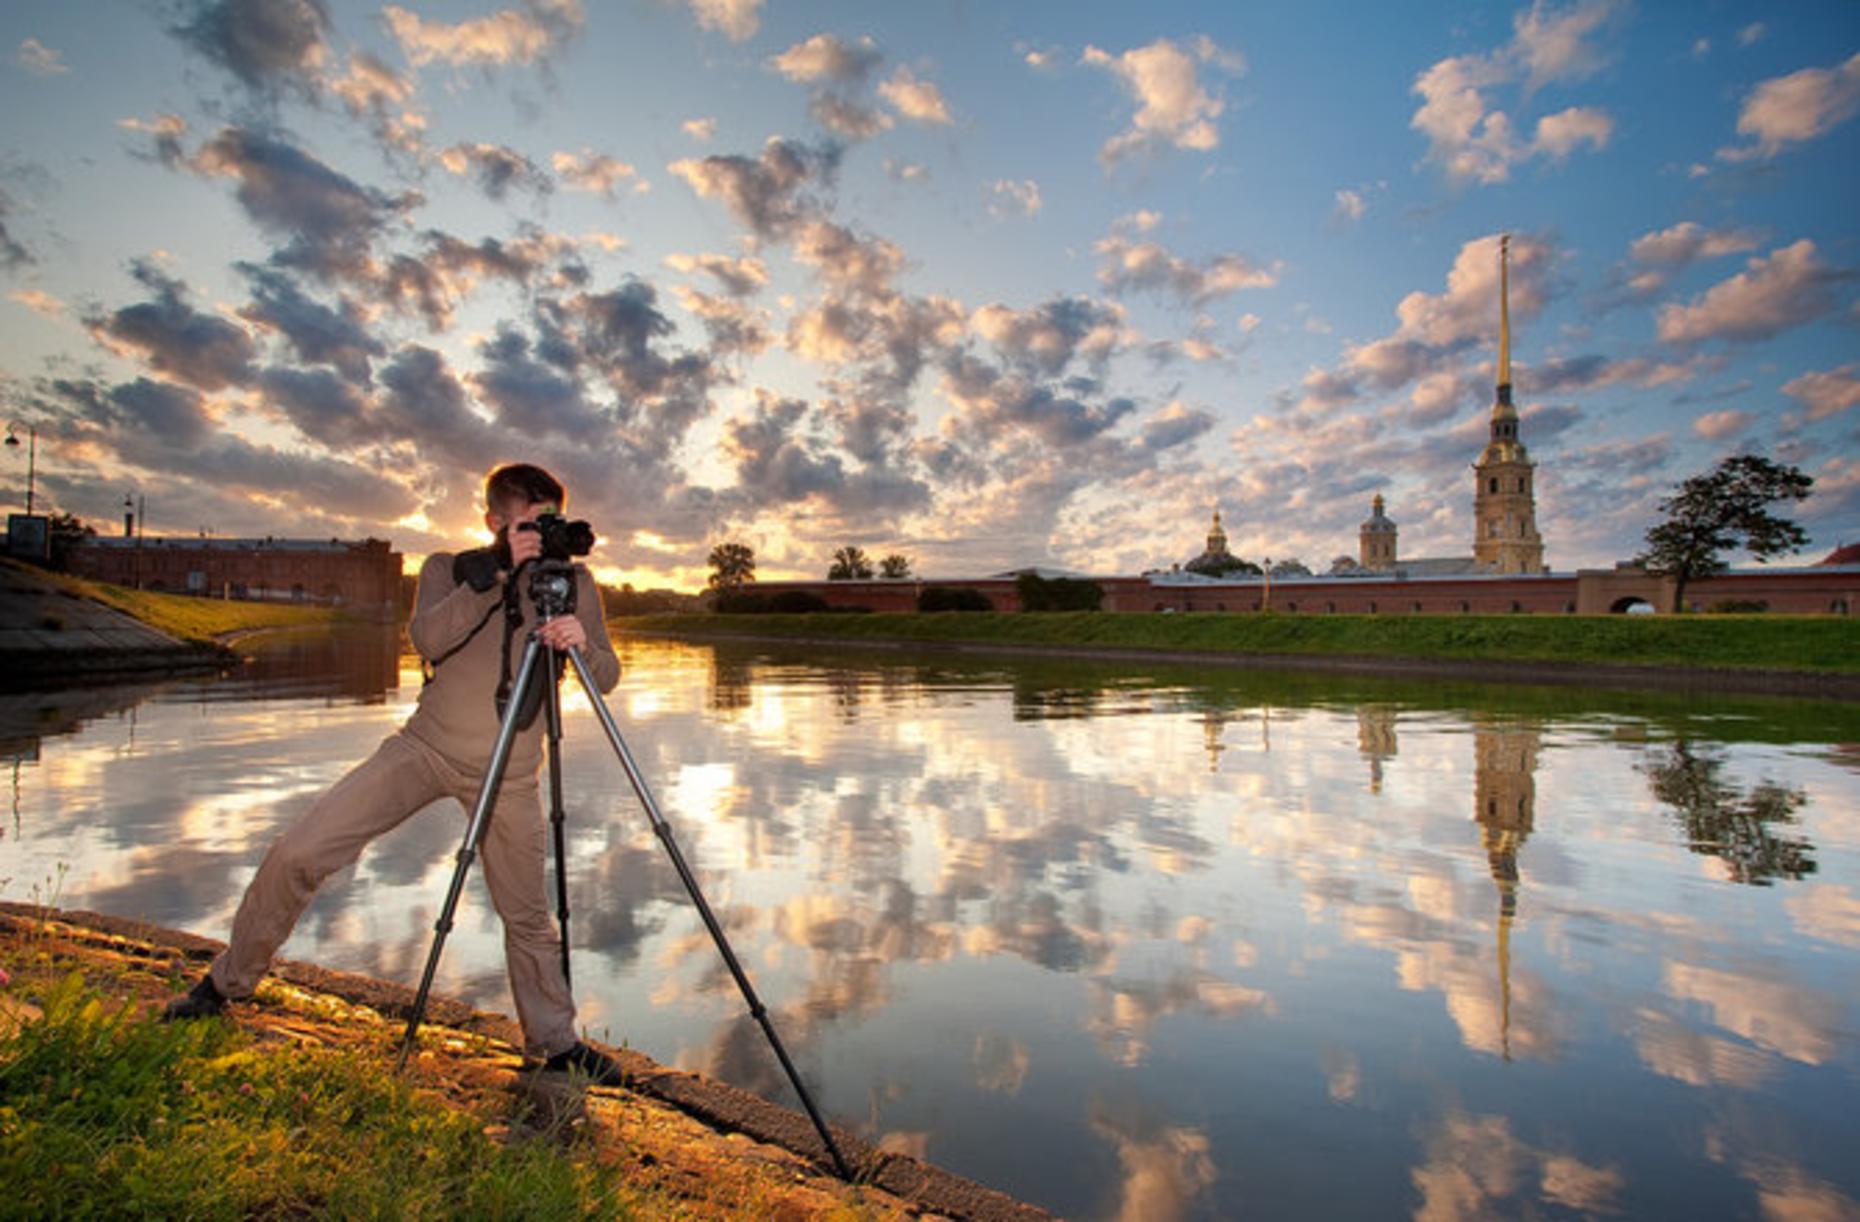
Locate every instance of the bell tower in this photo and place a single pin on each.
(1504, 500)
(1375, 540)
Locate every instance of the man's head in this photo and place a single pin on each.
(517, 492)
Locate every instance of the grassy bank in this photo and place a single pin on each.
(191, 618)
(1760, 642)
(105, 1112)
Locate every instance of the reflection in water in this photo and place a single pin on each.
(1149, 944)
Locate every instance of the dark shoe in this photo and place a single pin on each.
(597, 1067)
(201, 1001)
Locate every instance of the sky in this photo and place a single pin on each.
(986, 285)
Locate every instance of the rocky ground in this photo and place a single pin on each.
(722, 1153)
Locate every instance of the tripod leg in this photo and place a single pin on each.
(552, 712)
(474, 832)
(663, 830)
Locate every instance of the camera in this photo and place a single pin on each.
(561, 538)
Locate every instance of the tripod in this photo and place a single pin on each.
(552, 590)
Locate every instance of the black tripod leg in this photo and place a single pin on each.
(558, 818)
(757, 1010)
(474, 832)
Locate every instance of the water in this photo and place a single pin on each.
(1126, 943)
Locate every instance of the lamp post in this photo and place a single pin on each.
(32, 457)
(1266, 571)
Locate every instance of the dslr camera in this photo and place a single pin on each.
(562, 540)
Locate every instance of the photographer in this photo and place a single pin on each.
(468, 620)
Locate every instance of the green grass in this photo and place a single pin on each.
(194, 619)
(106, 1112)
(1765, 642)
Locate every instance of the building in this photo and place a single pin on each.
(1504, 505)
(1376, 540)
(1216, 561)
(361, 576)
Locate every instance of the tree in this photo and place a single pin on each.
(1290, 568)
(67, 532)
(1726, 507)
(850, 564)
(732, 565)
(1221, 566)
(895, 565)
(1748, 830)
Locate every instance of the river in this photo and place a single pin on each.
(1150, 943)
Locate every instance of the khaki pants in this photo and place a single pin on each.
(402, 776)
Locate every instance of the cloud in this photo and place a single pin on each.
(737, 20)
(330, 220)
(12, 255)
(496, 168)
(995, 403)
(1687, 242)
(1013, 198)
(592, 171)
(523, 35)
(173, 417)
(167, 130)
(1716, 426)
(39, 59)
(1128, 266)
(202, 350)
(317, 334)
(267, 44)
(1173, 108)
(1474, 143)
(375, 93)
(1350, 206)
(1828, 393)
(776, 465)
(846, 261)
(699, 129)
(1787, 288)
(739, 277)
(39, 302)
(845, 117)
(824, 58)
(319, 404)
(1796, 108)
(1045, 339)
(765, 194)
(913, 98)
(906, 171)
(1751, 34)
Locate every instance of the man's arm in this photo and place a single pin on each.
(599, 654)
(444, 611)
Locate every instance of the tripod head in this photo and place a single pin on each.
(552, 588)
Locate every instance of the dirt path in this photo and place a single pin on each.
(722, 1152)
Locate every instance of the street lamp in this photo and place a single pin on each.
(32, 457)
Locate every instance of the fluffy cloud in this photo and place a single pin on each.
(1013, 198)
(737, 20)
(316, 333)
(1796, 108)
(382, 98)
(1047, 338)
(35, 57)
(739, 277)
(1350, 205)
(699, 129)
(1717, 426)
(913, 98)
(496, 168)
(1828, 393)
(1474, 143)
(845, 117)
(12, 254)
(521, 35)
(591, 171)
(172, 338)
(1686, 243)
(1174, 110)
(824, 58)
(1128, 265)
(766, 193)
(1787, 288)
(267, 44)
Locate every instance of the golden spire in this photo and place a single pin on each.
(1504, 321)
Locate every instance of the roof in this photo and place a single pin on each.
(1847, 554)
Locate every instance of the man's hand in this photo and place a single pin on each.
(524, 545)
(563, 633)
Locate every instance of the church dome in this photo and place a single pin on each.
(1379, 523)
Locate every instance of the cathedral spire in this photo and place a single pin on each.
(1504, 325)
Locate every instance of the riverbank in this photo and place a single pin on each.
(58, 630)
(293, 1106)
(1787, 655)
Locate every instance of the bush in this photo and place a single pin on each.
(1058, 594)
(782, 602)
(1737, 606)
(796, 602)
(951, 598)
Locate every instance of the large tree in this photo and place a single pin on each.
(1726, 507)
(732, 565)
(850, 564)
(895, 565)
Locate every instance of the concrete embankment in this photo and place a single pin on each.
(723, 1152)
(52, 637)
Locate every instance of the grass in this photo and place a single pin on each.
(1763, 642)
(190, 618)
(106, 1112)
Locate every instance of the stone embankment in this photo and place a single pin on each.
(722, 1152)
(50, 636)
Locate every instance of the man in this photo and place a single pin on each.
(443, 750)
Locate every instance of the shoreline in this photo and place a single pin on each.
(722, 1115)
(1745, 681)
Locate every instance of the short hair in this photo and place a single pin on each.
(517, 484)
